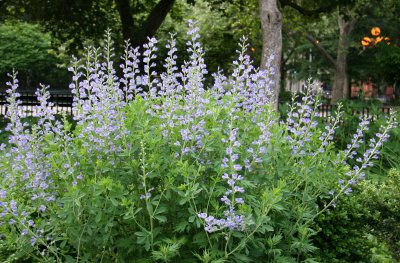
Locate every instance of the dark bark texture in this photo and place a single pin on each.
(271, 24)
(341, 81)
(125, 15)
(138, 34)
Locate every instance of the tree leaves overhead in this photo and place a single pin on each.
(25, 48)
(86, 20)
(72, 21)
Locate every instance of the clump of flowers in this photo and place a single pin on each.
(164, 165)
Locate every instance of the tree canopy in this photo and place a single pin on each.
(80, 20)
(320, 39)
(25, 48)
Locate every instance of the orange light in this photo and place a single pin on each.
(252, 49)
(366, 41)
(375, 31)
(379, 39)
(387, 38)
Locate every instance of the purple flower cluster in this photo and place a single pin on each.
(182, 93)
(357, 139)
(229, 131)
(327, 135)
(251, 87)
(232, 220)
(29, 175)
(131, 70)
(301, 122)
(363, 161)
(98, 100)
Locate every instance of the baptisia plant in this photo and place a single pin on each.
(161, 166)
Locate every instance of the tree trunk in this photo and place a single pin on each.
(138, 35)
(125, 15)
(341, 81)
(156, 17)
(271, 24)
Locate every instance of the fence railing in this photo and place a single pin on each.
(63, 104)
(327, 110)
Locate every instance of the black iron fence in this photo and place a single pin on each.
(62, 103)
(326, 111)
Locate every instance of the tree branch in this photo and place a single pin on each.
(321, 49)
(325, 54)
(284, 61)
(323, 9)
(154, 21)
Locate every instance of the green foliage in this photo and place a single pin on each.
(353, 109)
(70, 24)
(216, 28)
(342, 236)
(147, 180)
(364, 227)
(25, 48)
(384, 200)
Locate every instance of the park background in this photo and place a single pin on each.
(317, 39)
(350, 47)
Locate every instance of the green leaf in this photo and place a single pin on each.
(149, 208)
(98, 217)
(161, 218)
(69, 259)
(181, 226)
(161, 209)
(141, 234)
(114, 202)
(192, 218)
(241, 257)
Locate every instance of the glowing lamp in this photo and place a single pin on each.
(366, 41)
(375, 31)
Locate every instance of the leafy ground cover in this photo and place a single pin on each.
(167, 168)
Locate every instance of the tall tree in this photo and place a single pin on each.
(271, 24)
(347, 16)
(25, 48)
(346, 22)
(341, 79)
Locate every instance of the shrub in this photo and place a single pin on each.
(384, 200)
(24, 46)
(160, 167)
(369, 229)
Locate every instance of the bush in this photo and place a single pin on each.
(369, 229)
(384, 200)
(363, 227)
(180, 172)
(25, 47)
